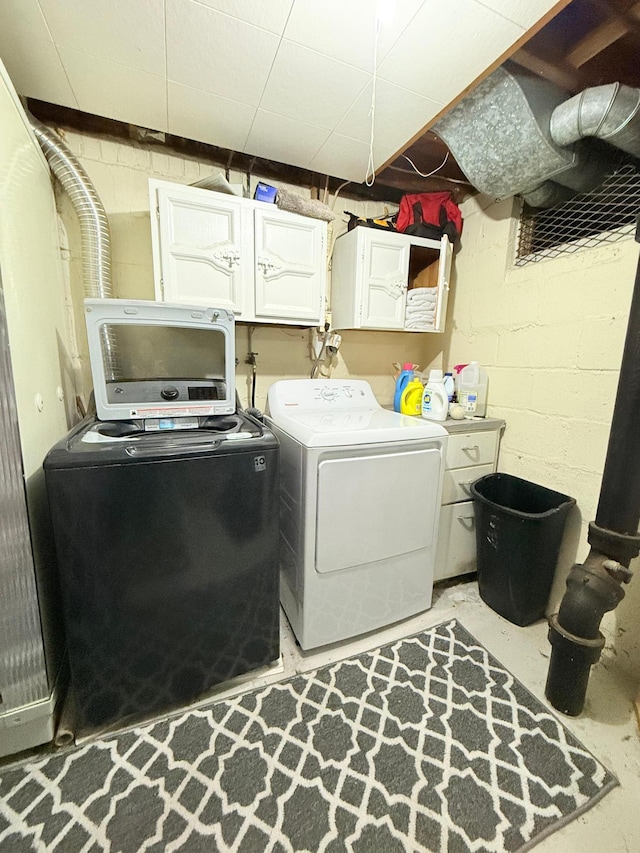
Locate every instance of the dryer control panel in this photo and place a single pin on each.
(320, 395)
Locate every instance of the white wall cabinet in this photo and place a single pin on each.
(372, 271)
(264, 264)
(472, 452)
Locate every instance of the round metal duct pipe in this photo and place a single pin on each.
(610, 112)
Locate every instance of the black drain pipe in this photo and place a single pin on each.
(595, 586)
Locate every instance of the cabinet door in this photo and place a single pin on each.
(444, 275)
(385, 260)
(290, 267)
(199, 249)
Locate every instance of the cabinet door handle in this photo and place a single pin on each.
(396, 288)
(472, 448)
(267, 265)
(227, 257)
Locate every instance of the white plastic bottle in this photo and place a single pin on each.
(449, 385)
(472, 390)
(435, 400)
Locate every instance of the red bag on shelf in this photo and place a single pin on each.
(429, 215)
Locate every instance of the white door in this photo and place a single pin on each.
(290, 267)
(444, 275)
(385, 275)
(199, 249)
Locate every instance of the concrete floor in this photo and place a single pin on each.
(607, 725)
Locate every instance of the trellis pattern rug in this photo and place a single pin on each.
(426, 744)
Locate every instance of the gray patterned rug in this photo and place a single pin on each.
(427, 744)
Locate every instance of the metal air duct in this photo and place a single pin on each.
(518, 134)
(94, 226)
(500, 137)
(609, 112)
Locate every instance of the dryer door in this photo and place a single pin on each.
(376, 506)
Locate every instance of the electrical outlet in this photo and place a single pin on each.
(333, 343)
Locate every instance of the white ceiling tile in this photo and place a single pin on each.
(441, 54)
(115, 91)
(29, 54)
(208, 118)
(399, 115)
(345, 29)
(342, 157)
(526, 13)
(215, 53)
(285, 139)
(131, 33)
(310, 87)
(271, 15)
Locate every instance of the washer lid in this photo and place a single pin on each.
(333, 412)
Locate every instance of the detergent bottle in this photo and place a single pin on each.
(435, 400)
(411, 399)
(402, 380)
(449, 385)
(472, 390)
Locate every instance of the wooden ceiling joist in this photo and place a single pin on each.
(605, 35)
(559, 73)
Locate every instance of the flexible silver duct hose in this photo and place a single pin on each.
(94, 228)
(610, 112)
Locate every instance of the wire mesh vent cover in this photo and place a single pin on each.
(604, 215)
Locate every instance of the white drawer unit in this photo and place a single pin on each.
(472, 452)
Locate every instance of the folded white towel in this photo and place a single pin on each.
(422, 294)
(420, 317)
(421, 306)
(421, 301)
(418, 327)
(420, 312)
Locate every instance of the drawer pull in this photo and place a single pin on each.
(472, 448)
(466, 487)
(466, 521)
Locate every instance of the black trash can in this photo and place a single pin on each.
(519, 527)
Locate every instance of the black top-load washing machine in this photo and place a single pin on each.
(165, 517)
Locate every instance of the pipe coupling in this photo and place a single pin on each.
(556, 631)
(622, 547)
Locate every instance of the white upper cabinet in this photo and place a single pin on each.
(200, 248)
(264, 264)
(372, 273)
(291, 266)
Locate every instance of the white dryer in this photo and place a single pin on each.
(360, 491)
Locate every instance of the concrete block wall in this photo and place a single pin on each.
(551, 336)
(120, 172)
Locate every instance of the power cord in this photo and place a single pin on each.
(251, 359)
(316, 364)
